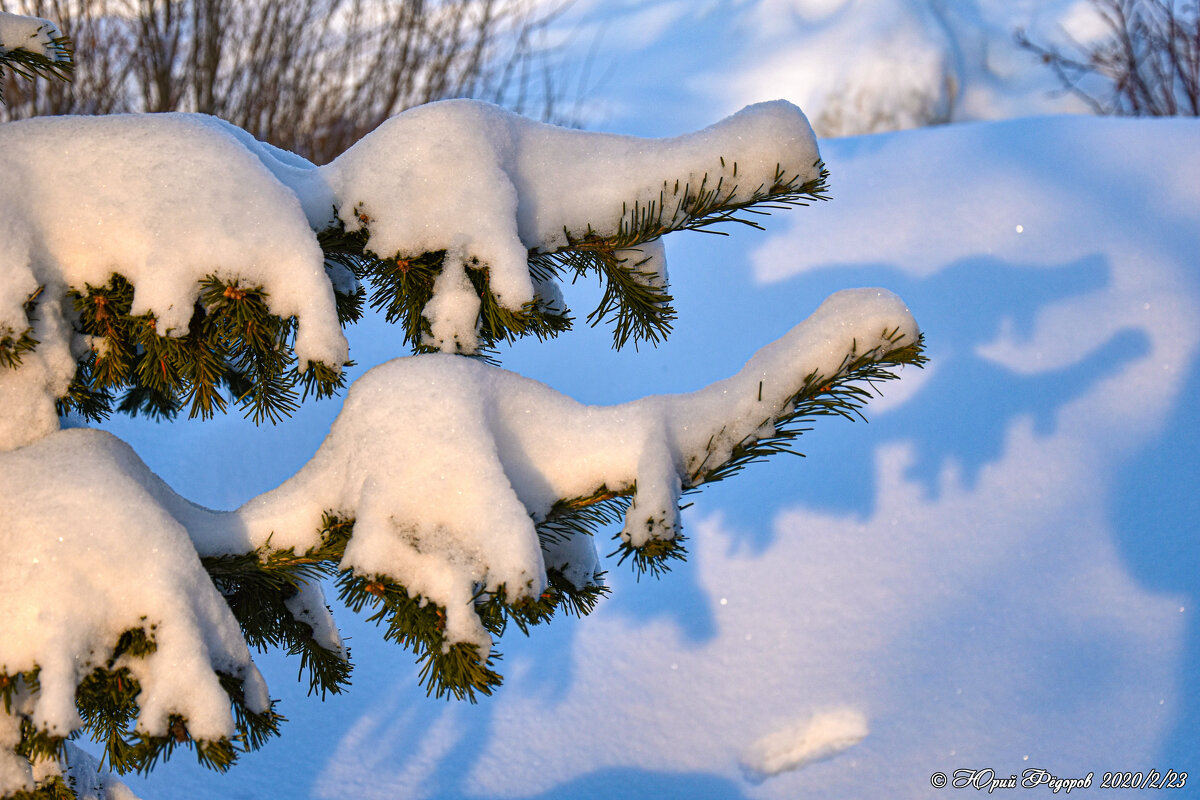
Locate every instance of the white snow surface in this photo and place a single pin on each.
(34, 34)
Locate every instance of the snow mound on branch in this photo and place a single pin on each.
(821, 736)
(488, 186)
(165, 200)
(446, 462)
(83, 565)
(33, 34)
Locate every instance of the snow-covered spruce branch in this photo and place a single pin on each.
(547, 198)
(110, 625)
(631, 263)
(166, 262)
(447, 467)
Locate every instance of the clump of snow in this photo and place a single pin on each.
(489, 186)
(89, 553)
(308, 605)
(446, 463)
(27, 409)
(15, 771)
(453, 311)
(33, 34)
(821, 736)
(164, 200)
(648, 260)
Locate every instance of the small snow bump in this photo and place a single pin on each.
(823, 735)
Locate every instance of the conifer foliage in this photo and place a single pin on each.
(452, 500)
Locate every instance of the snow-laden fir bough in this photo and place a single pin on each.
(156, 264)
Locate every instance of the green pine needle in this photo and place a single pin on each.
(843, 394)
(446, 669)
(234, 350)
(583, 516)
(107, 702)
(14, 344)
(654, 557)
(257, 586)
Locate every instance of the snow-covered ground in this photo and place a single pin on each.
(999, 572)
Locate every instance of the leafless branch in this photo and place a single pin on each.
(1147, 64)
(312, 76)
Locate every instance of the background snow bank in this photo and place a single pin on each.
(854, 66)
(998, 572)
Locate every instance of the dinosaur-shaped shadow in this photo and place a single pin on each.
(958, 418)
(960, 415)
